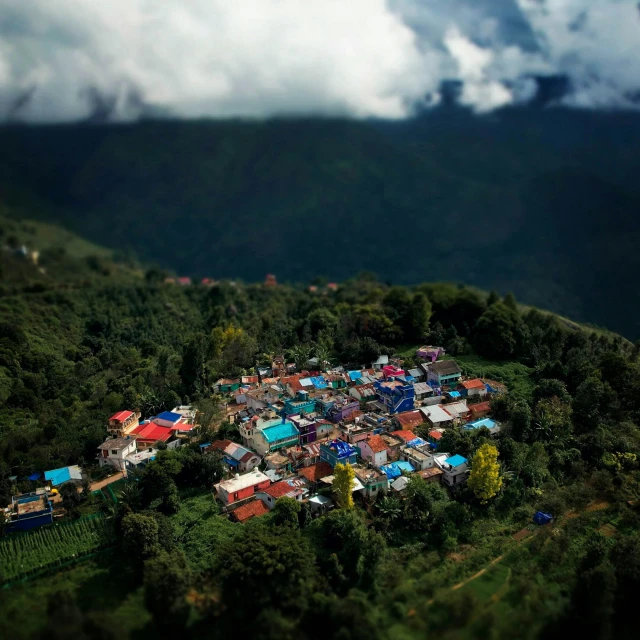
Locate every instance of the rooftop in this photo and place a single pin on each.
(253, 509)
(244, 481)
(436, 413)
(121, 416)
(445, 367)
(169, 416)
(280, 432)
(117, 443)
(476, 383)
(410, 419)
(404, 434)
(456, 461)
(316, 472)
(376, 444)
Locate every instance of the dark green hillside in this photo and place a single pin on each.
(541, 202)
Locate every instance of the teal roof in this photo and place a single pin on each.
(280, 432)
(456, 461)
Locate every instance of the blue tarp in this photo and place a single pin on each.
(416, 442)
(343, 449)
(454, 394)
(355, 375)
(489, 388)
(35, 476)
(319, 382)
(541, 517)
(231, 461)
(394, 470)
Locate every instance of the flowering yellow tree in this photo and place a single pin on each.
(343, 483)
(485, 480)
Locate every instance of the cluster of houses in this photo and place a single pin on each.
(295, 427)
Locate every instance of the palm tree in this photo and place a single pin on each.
(389, 508)
(300, 353)
(130, 495)
(322, 353)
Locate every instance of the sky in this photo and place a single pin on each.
(70, 60)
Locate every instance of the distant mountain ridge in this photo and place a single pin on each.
(543, 202)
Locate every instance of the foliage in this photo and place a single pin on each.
(343, 483)
(485, 479)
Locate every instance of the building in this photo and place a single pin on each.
(364, 392)
(458, 410)
(486, 423)
(342, 408)
(480, 410)
(267, 434)
(226, 385)
(263, 397)
(422, 390)
(374, 449)
(57, 477)
(314, 473)
(236, 456)
(454, 470)
(270, 280)
(241, 487)
(320, 505)
(396, 395)
(123, 423)
(409, 420)
(444, 373)
(248, 510)
(382, 361)
(338, 451)
(433, 474)
(417, 457)
(294, 488)
(394, 470)
(429, 353)
(300, 404)
(473, 388)
(306, 428)
(114, 452)
(373, 481)
(28, 511)
(434, 437)
(437, 416)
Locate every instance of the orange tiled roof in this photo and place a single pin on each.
(405, 434)
(316, 472)
(410, 419)
(253, 509)
(476, 383)
(376, 444)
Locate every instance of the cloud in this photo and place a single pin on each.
(74, 59)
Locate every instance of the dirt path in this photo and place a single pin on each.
(96, 486)
(477, 575)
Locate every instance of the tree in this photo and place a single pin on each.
(499, 332)
(130, 495)
(285, 513)
(166, 583)
(417, 319)
(343, 483)
(420, 497)
(71, 499)
(485, 480)
(139, 536)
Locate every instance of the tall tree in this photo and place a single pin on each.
(485, 480)
(343, 483)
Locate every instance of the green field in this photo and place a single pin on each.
(27, 553)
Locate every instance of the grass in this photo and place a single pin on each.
(517, 377)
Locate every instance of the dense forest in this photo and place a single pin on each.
(82, 336)
(520, 200)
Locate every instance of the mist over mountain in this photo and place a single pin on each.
(543, 202)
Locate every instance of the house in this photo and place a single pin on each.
(458, 410)
(292, 488)
(315, 472)
(394, 445)
(429, 353)
(248, 510)
(433, 474)
(342, 408)
(486, 423)
(278, 463)
(418, 458)
(364, 392)
(123, 423)
(114, 452)
(454, 470)
(226, 385)
(300, 404)
(382, 361)
(270, 280)
(338, 451)
(399, 484)
(236, 456)
(437, 416)
(397, 396)
(473, 388)
(417, 374)
(422, 390)
(392, 371)
(150, 432)
(336, 380)
(356, 428)
(374, 449)
(320, 505)
(278, 366)
(444, 373)
(409, 420)
(263, 397)
(373, 481)
(434, 437)
(28, 511)
(241, 487)
(269, 433)
(403, 435)
(480, 410)
(57, 477)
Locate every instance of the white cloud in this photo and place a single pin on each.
(254, 58)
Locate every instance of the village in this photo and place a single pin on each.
(294, 428)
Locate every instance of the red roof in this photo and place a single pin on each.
(293, 382)
(480, 407)
(153, 432)
(377, 444)
(121, 416)
(476, 383)
(410, 419)
(316, 472)
(405, 434)
(279, 489)
(182, 426)
(436, 435)
(218, 445)
(253, 509)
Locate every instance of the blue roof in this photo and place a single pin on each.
(456, 461)
(319, 382)
(58, 476)
(394, 469)
(478, 424)
(169, 416)
(416, 442)
(280, 432)
(454, 394)
(35, 476)
(355, 375)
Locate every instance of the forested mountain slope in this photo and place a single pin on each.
(543, 202)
